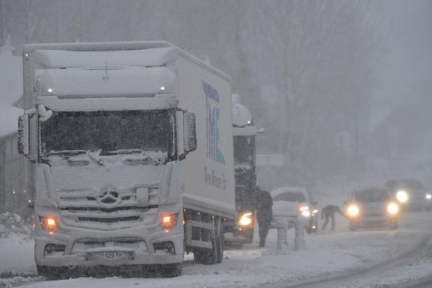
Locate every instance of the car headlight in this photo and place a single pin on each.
(393, 208)
(402, 196)
(428, 196)
(353, 210)
(246, 219)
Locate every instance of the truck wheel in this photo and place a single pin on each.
(53, 273)
(209, 256)
(171, 270)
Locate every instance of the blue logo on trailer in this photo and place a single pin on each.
(213, 113)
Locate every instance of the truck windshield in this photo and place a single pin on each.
(108, 131)
(244, 151)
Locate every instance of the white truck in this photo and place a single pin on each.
(244, 132)
(131, 154)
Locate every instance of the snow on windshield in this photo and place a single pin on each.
(107, 131)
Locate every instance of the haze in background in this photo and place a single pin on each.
(341, 87)
(401, 140)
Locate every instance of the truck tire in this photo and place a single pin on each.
(249, 236)
(54, 273)
(210, 256)
(171, 270)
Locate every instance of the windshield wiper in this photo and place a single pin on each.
(66, 153)
(94, 158)
(121, 152)
(70, 153)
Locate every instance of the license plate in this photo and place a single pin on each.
(110, 255)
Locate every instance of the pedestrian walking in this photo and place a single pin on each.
(264, 213)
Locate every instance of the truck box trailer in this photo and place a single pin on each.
(131, 153)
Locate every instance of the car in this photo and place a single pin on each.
(372, 207)
(292, 202)
(411, 194)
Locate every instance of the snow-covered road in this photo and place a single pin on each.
(327, 255)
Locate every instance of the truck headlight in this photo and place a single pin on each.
(168, 222)
(353, 210)
(393, 208)
(48, 224)
(402, 196)
(428, 196)
(246, 219)
(304, 210)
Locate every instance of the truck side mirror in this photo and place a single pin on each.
(189, 128)
(23, 135)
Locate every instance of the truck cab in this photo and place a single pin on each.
(244, 134)
(110, 139)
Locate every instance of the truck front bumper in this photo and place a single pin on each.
(78, 248)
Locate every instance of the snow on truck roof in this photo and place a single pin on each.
(70, 59)
(116, 81)
(241, 115)
(124, 47)
(9, 119)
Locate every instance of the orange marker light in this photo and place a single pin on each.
(48, 224)
(168, 222)
(51, 222)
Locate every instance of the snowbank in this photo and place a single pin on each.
(326, 253)
(16, 255)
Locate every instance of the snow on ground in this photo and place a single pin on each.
(325, 254)
(16, 255)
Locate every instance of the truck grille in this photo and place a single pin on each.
(109, 210)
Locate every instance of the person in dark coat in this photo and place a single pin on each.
(328, 212)
(264, 213)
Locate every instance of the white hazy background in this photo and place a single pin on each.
(342, 88)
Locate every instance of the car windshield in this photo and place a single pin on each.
(290, 197)
(372, 196)
(108, 131)
(412, 184)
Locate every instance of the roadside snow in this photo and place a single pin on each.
(16, 255)
(325, 254)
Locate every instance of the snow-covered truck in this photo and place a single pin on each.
(244, 132)
(132, 155)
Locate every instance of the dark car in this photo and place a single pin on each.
(410, 193)
(372, 207)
